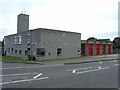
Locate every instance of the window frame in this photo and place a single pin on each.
(19, 40)
(59, 51)
(40, 52)
(15, 40)
(28, 39)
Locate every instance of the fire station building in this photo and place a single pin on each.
(93, 46)
(42, 43)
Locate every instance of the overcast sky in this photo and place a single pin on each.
(91, 18)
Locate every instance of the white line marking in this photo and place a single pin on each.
(26, 80)
(17, 74)
(115, 60)
(37, 76)
(34, 66)
(73, 71)
(79, 68)
(116, 64)
(12, 68)
(99, 67)
(91, 70)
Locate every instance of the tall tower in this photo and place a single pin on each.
(22, 22)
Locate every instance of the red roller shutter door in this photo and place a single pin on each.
(90, 49)
(97, 49)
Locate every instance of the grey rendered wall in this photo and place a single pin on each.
(48, 39)
(8, 44)
(24, 44)
(9, 40)
(51, 40)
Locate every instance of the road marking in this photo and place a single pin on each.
(73, 71)
(12, 68)
(116, 64)
(46, 66)
(26, 80)
(115, 60)
(79, 68)
(37, 75)
(91, 70)
(17, 74)
(33, 66)
(99, 67)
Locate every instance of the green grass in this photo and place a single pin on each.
(11, 59)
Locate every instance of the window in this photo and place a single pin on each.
(40, 51)
(59, 51)
(79, 51)
(20, 51)
(8, 50)
(12, 50)
(25, 52)
(19, 40)
(28, 51)
(28, 39)
(15, 51)
(15, 40)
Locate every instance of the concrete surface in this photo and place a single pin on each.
(85, 75)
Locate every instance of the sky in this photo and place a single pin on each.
(91, 18)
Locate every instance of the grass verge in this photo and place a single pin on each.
(11, 59)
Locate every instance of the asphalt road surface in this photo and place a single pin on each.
(86, 75)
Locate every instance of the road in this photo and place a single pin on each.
(86, 75)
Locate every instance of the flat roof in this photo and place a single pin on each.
(54, 30)
(46, 29)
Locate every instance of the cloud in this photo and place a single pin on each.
(89, 17)
(107, 35)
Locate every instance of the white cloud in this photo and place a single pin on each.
(88, 17)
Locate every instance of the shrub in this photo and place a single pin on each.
(31, 57)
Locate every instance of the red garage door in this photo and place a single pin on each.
(90, 49)
(109, 48)
(103, 49)
(97, 49)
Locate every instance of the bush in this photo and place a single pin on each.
(31, 57)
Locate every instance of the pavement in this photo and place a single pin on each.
(101, 74)
(84, 59)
